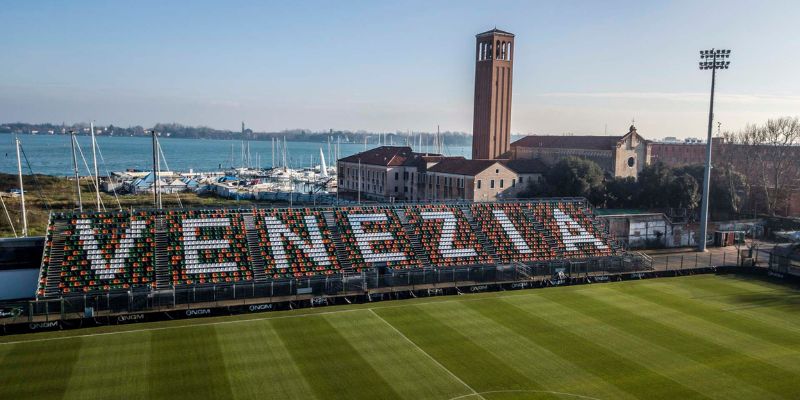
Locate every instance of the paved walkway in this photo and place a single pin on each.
(688, 257)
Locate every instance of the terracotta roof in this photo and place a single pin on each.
(383, 156)
(495, 31)
(531, 166)
(569, 142)
(462, 166)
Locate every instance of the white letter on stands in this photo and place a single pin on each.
(566, 224)
(446, 235)
(106, 269)
(192, 246)
(364, 239)
(512, 232)
(313, 249)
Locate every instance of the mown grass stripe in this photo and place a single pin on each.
(259, 365)
(330, 364)
(704, 311)
(187, 365)
(627, 375)
(38, 370)
(523, 354)
(779, 356)
(667, 350)
(765, 302)
(406, 367)
(479, 368)
(111, 367)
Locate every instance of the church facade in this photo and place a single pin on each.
(620, 156)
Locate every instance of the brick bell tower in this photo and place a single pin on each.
(491, 120)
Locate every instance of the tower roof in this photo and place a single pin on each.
(495, 31)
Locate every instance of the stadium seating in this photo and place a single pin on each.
(375, 236)
(295, 243)
(446, 235)
(512, 233)
(568, 223)
(207, 247)
(103, 251)
(97, 252)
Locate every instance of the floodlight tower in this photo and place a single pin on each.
(710, 59)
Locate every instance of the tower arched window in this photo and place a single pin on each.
(497, 50)
(508, 52)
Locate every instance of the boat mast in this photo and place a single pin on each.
(94, 161)
(21, 191)
(78, 199)
(285, 165)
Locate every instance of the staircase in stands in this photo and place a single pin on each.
(163, 278)
(484, 241)
(56, 258)
(257, 262)
(413, 238)
(551, 241)
(336, 238)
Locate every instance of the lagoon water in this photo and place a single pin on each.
(52, 155)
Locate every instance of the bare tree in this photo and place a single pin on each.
(769, 155)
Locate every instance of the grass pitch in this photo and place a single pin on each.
(715, 337)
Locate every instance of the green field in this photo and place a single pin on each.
(706, 336)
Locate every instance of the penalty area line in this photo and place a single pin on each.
(474, 392)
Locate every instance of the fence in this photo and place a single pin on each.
(378, 280)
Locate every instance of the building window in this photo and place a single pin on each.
(497, 171)
(501, 183)
(396, 176)
(479, 183)
(395, 189)
(491, 184)
(514, 182)
(631, 162)
(405, 189)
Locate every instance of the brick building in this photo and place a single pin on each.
(393, 173)
(491, 121)
(620, 156)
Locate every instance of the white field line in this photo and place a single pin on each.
(474, 392)
(529, 391)
(238, 321)
(494, 295)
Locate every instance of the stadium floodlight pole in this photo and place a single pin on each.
(714, 59)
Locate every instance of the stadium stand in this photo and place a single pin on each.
(142, 250)
(513, 234)
(207, 246)
(572, 227)
(446, 235)
(296, 243)
(101, 251)
(374, 236)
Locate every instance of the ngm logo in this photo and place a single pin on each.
(43, 325)
(260, 307)
(130, 318)
(198, 312)
(478, 288)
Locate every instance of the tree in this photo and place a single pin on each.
(769, 157)
(575, 177)
(684, 192)
(622, 192)
(654, 181)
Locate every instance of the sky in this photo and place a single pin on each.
(581, 67)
